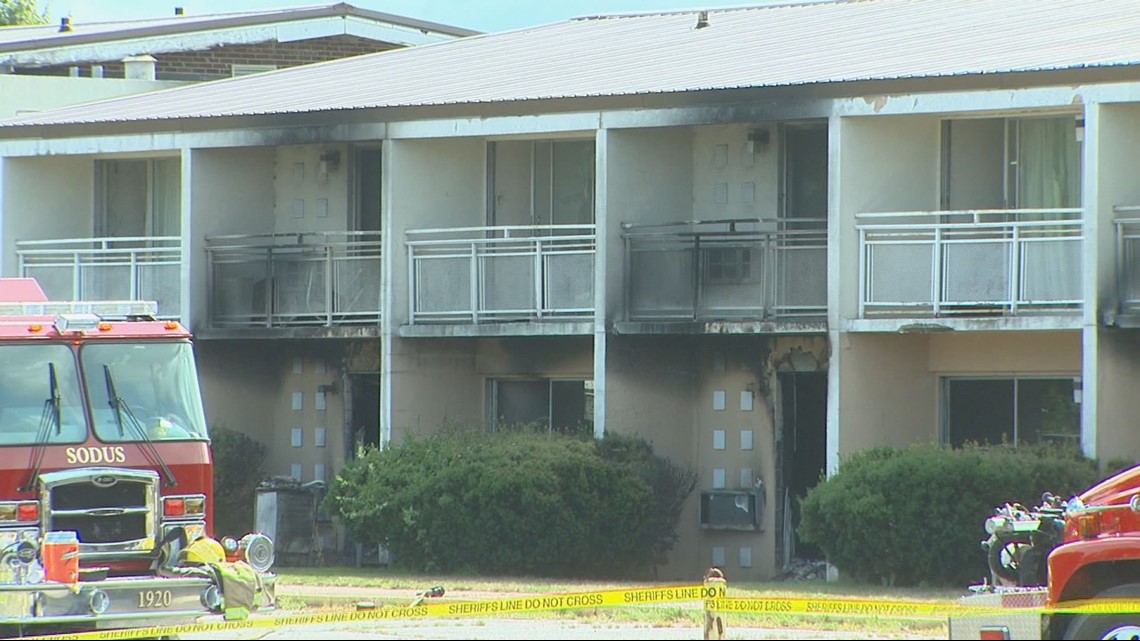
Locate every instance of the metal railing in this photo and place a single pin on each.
(972, 263)
(1128, 258)
(748, 269)
(296, 279)
(111, 268)
(501, 274)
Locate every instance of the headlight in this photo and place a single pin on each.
(996, 524)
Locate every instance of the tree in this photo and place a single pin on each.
(21, 12)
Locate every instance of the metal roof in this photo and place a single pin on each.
(623, 55)
(30, 38)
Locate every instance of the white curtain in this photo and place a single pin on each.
(1049, 177)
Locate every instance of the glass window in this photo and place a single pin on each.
(557, 405)
(1019, 411)
(28, 376)
(136, 388)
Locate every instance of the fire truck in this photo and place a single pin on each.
(1093, 557)
(105, 470)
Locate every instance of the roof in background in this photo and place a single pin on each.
(766, 46)
(28, 38)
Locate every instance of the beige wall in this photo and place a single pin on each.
(889, 384)
(720, 160)
(1118, 404)
(443, 381)
(886, 391)
(886, 164)
(1117, 148)
(309, 198)
(44, 198)
(650, 180)
(667, 389)
(268, 374)
(25, 94)
(231, 192)
(430, 184)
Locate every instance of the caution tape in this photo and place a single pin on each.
(713, 598)
(519, 605)
(902, 609)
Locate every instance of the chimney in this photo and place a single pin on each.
(139, 67)
(64, 25)
(702, 19)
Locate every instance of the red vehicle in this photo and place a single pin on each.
(1098, 557)
(105, 468)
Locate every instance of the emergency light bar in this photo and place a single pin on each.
(103, 309)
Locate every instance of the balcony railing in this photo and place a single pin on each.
(291, 280)
(726, 270)
(126, 268)
(983, 262)
(501, 274)
(1128, 258)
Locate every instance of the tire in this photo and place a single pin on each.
(1004, 558)
(1107, 626)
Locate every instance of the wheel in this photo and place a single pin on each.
(1108, 626)
(1005, 559)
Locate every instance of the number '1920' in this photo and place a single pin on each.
(155, 599)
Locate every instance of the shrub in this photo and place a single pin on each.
(915, 516)
(519, 502)
(237, 472)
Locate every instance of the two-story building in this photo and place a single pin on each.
(762, 238)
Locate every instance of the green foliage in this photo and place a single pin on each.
(518, 502)
(15, 12)
(237, 472)
(915, 516)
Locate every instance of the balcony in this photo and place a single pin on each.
(1128, 259)
(479, 275)
(970, 263)
(316, 279)
(114, 268)
(730, 270)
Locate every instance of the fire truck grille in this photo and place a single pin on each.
(102, 514)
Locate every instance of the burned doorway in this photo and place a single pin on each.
(802, 457)
(364, 420)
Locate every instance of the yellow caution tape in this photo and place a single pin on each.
(518, 605)
(713, 598)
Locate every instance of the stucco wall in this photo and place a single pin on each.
(269, 375)
(679, 393)
(311, 195)
(231, 192)
(431, 184)
(1118, 370)
(45, 198)
(650, 181)
(886, 164)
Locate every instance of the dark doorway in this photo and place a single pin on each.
(365, 411)
(803, 452)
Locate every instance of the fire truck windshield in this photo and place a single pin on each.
(26, 395)
(155, 384)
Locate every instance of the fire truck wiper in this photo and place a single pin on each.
(122, 409)
(50, 414)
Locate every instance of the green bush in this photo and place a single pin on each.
(515, 502)
(237, 472)
(915, 516)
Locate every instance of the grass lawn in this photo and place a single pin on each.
(657, 615)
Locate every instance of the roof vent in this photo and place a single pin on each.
(702, 19)
(139, 67)
(64, 25)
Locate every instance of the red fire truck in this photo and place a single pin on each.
(1097, 559)
(105, 469)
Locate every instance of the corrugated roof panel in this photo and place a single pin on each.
(657, 53)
